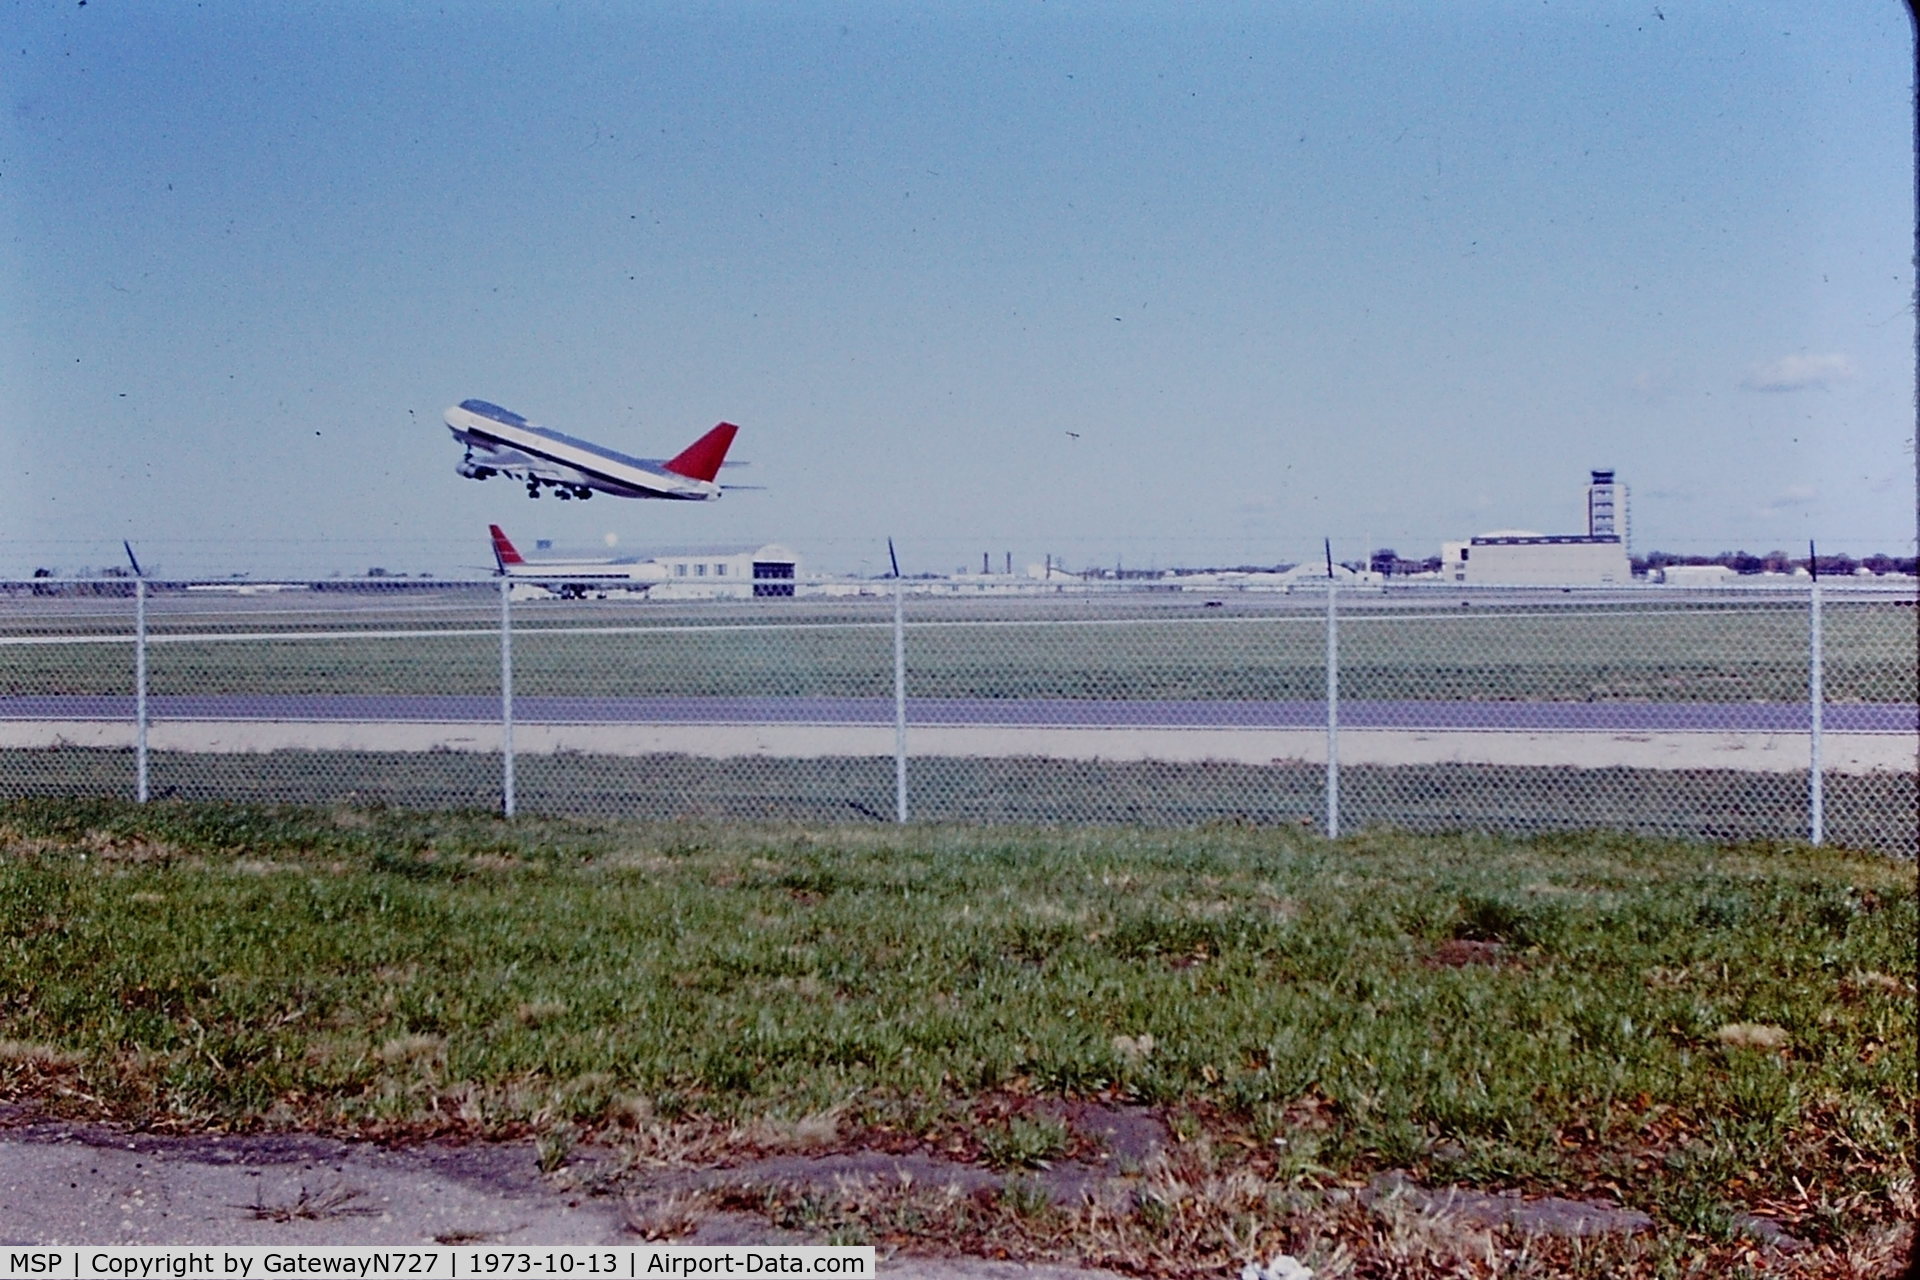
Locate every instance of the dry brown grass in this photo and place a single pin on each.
(815, 1131)
(337, 1201)
(1753, 1035)
(533, 1013)
(669, 1216)
(416, 1050)
(38, 1057)
(122, 848)
(1187, 1215)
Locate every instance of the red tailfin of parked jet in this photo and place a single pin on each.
(701, 460)
(503, 550)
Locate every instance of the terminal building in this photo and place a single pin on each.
(1521, 557)
(700, 573)
(725, 573)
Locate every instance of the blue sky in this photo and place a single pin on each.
(1149, 283)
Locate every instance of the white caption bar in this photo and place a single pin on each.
(433, 1262)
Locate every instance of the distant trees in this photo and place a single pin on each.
(1746, 563)
(1387, 563)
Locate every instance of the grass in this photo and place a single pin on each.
(1699, 1031)
(308, 1205)
(1657, 650)
(1875, 811)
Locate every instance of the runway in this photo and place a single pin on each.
(1480, 716)
(1758, 737)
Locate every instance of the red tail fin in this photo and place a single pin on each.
(701, 460)
(503, 552)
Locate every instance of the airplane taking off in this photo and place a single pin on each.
(501, 442)
(573, 578)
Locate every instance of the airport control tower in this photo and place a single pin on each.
(1606, 508)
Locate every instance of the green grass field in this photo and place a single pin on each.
(1700, 1031)
(1868, 811)
(1722, 653)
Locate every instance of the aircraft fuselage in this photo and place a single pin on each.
(501, 442)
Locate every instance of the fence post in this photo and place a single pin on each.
(506, 696)
(899, 704)
(1333, 715)
(141, 788)
(1816, 704)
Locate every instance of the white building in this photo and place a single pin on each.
(1697, 575)
(708, 574)
(1522, 557)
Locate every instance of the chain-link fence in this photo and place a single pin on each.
(1784, 712)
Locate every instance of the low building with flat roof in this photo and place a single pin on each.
(1536, 559)
(705, 574)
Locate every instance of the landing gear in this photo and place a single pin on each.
(561, 488)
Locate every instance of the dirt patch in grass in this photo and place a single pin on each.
(1458, 953)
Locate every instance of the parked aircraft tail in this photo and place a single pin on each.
(701, 460)
(504, 553)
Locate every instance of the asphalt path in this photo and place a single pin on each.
(1438, 715)
(65, 1185)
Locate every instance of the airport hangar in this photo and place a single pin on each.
(1521, 557)
(727, 574)
(687, 574)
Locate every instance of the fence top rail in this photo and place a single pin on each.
(551, 599)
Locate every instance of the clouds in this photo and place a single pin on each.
(1799, 373)
(1659, 382)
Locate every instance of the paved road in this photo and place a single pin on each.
(1596, 717)
(76, 1184)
